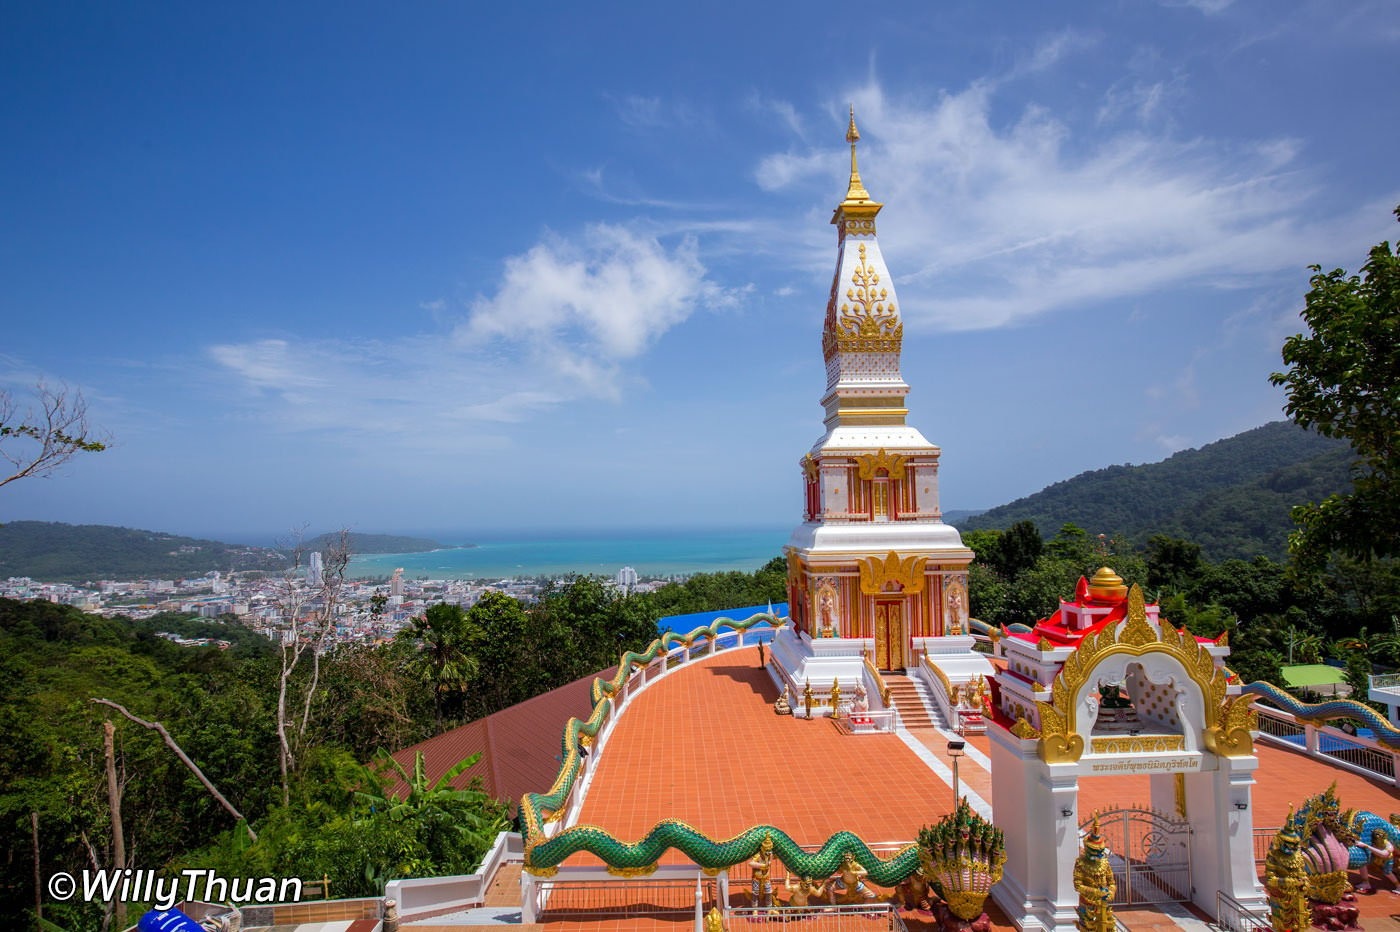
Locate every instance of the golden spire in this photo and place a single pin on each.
(856, 191)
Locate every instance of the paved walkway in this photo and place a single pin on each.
(702, 745)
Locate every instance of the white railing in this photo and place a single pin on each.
(872, 721)
(668, 890)
(1234, 916)
(1385, 681)
(425, 894)
(937, 684)
(1350, 752)
(816, 918)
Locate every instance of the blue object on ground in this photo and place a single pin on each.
(167, 920)
(684, 624)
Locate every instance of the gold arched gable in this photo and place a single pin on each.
(1227, 720)
(868, 464)
(876, 574)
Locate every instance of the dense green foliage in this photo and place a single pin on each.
(1274, 615)
(1233, 497)
(374, 543)
(76, 552)
(1343, 380)
(220, 707)
(578, 627)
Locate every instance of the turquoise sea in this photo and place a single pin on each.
(650, 553)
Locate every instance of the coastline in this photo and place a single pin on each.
(553, 555)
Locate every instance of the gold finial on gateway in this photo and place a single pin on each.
(855, 191)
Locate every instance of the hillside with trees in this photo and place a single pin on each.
(331, 816)
(1232, 497)
(52, 551)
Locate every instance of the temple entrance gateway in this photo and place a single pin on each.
(1150, 853)
(889, 635)
(1105, 687)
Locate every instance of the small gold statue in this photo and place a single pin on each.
(1093, 878)
(1286, 881)
(713, 921)
(835, 697)
(807, 698)
(913, 893)
(851, 880)
(762, 865)
(783, 705)
(800, 894)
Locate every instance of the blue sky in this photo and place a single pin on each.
(470, 266)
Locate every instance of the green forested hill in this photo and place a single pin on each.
(1232, 497)
(50, 551)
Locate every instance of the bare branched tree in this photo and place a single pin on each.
(44, 436)
(308, 608)
(184, 759)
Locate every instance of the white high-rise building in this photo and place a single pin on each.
(626, 580)
(316, 570)
(396, 583)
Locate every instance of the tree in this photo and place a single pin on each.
(1018, 548)
(1343, 381)
(443, 660)
(41, 439)
(1172, 562)
(308, 613)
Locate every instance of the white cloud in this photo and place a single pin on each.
(1052, 49)
(784, 110)
(566, 319)
(611, 292)
(642, 112)
(993, 220)
(1208, 7)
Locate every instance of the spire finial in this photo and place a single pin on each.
(856, 190)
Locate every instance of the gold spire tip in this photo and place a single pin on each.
(852, 134)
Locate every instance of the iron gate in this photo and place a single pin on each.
(1150, 853)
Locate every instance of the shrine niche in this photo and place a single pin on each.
(955, 612)
(827, 622)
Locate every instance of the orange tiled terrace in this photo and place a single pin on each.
(703, 745)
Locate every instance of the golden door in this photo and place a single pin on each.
(889, 635)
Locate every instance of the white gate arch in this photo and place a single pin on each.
(1184, 726)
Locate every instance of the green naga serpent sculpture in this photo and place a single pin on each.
(543, 854)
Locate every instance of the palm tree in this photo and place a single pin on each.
(442, 660)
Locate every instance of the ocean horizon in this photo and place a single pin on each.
(650, 553)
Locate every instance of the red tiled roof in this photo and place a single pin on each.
(518, 745)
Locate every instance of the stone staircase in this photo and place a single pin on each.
(910, 696)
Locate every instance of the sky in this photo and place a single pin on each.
(487, 267)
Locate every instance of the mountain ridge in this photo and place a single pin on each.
(1232, 496)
